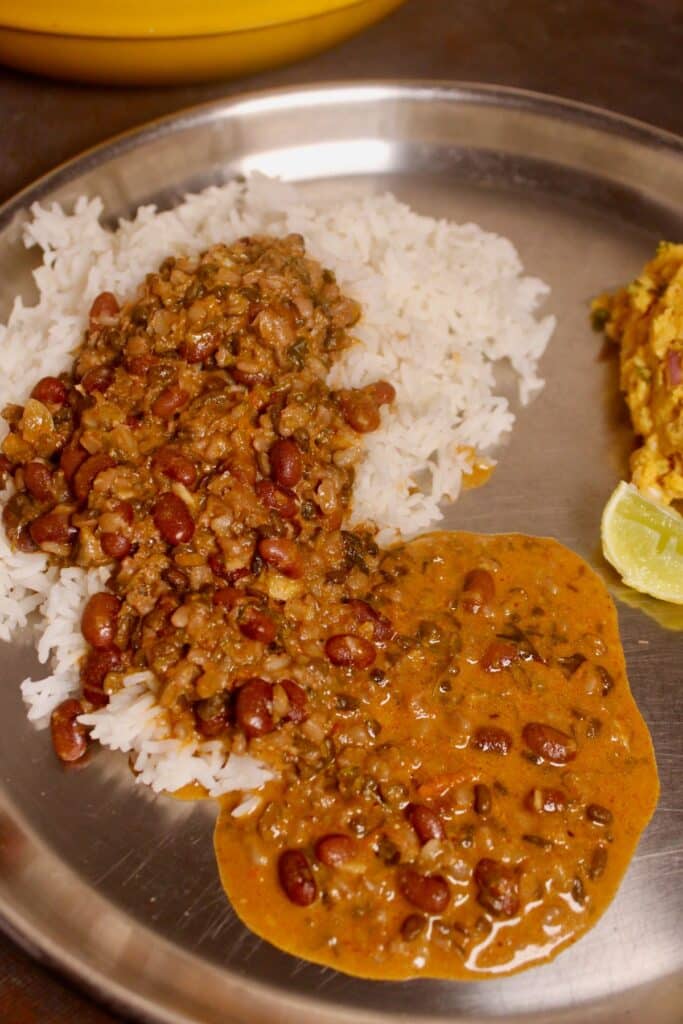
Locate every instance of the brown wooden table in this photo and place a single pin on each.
(623, 54)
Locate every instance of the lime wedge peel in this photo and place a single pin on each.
(643, 540)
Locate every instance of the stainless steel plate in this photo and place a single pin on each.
(120, 888)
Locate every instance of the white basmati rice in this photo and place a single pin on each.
(442, 303)
(134, 721)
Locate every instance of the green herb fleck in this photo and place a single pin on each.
(297, 352)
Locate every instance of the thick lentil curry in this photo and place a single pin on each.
(462, 772)
(472, 801)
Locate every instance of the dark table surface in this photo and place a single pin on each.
(620, 54)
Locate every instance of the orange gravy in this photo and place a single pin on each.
(508, 722)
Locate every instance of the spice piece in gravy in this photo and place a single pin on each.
(481, 826)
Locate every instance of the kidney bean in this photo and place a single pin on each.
(171, 400)
(360, 411)
(115, 545)
(38, 480)
(139, 366)
(227, 597)
(211, 717)
(69, 737)
(71, 458)
(104, 310)
(335, 849)
(599, 815)
(549, 743)
(100, 378)
(479, 590)
(94, 670)
(98, 664)
(279, 499)
(98, 622)
(197, 348)
(175, 578)
(84, 476)
(211, 727)
(429, 893)
(257, 625)
(498, 655)
(382, 631)
(546, 801)
(413, 926)
(172, 519)
(176, 466)
(426, 822)
(296, 878)
(216, 563)
(382, 392)
(51, 391)
(491, 740)
(296, 696)
(361, 610)
(286, 464)
(254, 707)
(498, 886)
(482, 799)
(350, 651)
(283, 554)
(52, 528)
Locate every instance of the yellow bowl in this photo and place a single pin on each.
(165, 41)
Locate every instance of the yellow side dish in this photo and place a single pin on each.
(646, 320)
(165, 41)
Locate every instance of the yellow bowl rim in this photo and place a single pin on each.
(128, 22)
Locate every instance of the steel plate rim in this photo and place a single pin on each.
(104, 988)
(424, 90)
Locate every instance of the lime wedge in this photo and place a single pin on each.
(643, 540)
